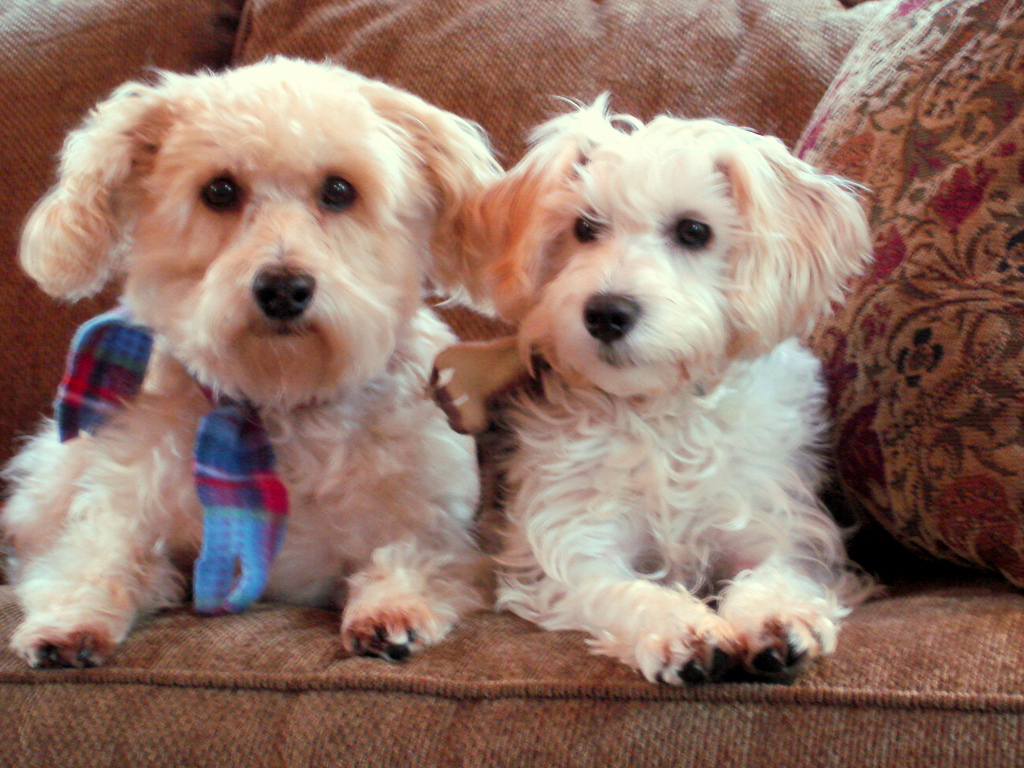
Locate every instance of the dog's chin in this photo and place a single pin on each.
(622, 373)
(616, 357)
(280, 329)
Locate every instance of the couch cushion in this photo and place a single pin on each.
(926, 359)
(269, 687)
(763, 63)
(56, 61)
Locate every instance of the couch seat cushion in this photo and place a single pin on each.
(930, 676)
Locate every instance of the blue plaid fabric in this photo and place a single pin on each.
(244, 502)
(105, 368)
(244, 506)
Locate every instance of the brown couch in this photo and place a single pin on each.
(930, 675)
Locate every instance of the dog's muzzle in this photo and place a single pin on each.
(609, 316)
(283, 293)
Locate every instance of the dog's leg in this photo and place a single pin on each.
(82, 597)
(666, 633)
(782, 617)
(89, 549)
(409, 597)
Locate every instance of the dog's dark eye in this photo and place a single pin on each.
(221, 194)
(337, 194)
(691, 233)
(586, 230)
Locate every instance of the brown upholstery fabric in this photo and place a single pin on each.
(926, 358)
(56, 61)
(269, 687)
(756, 62)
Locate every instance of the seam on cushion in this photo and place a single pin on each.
(752, 693)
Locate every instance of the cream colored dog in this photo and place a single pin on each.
(662, 490)
(274, 226)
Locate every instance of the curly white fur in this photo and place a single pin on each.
(381, 491)
(662, 495)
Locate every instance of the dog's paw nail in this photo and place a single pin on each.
(777, 665)
(721, 663)
(383, 650)
(769, 661)
(693, 673)
(56, 656)
(49, 656)
(396, 652)
(378, 642)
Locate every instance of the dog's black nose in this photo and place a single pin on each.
(609, 316)
(283, 293)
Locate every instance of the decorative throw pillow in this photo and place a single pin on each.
(926, 358)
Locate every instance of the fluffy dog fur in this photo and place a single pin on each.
(662, 489)
(382, 491)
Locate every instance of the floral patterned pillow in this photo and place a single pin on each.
(926, 358)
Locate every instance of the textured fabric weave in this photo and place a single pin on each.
(270, 688)
(507, 63)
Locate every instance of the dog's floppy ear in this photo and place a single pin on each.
(70, 242)
(803, 236)
(517, 221)
(521, 216)
(457, 160)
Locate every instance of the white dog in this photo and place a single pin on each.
(661, 495)
(275, 227)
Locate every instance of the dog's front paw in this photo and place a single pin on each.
(777, 649)
(699, 651)
(58, 644)
(392, 631)
(704, 653)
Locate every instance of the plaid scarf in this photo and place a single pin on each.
(108, 359)
(244, 502)
(244, 505)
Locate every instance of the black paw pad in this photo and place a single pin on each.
(695, 673)
(721, 663)
(381, 646)
(396, 652)
(776, 665)
(50, 656)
